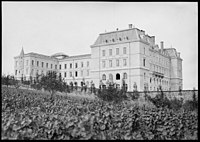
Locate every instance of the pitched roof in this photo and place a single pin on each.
(126, 35)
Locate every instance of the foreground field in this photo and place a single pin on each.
(31, 115)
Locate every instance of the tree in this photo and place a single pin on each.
(51, 82)
(5, 80)
(71, 86)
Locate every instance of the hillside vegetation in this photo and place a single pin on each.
(33, 115)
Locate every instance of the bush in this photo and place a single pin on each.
(135, 95)
(112, 94)
(176, 104)
(191, 104)
(162, 101)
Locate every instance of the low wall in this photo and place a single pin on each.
(185, 94)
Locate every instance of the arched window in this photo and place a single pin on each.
(117, 76)
(110, 77)
(103, 77)
(144, 62)
(125, 76)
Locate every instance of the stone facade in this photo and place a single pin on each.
(129, 55)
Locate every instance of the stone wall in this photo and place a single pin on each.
(186, 94)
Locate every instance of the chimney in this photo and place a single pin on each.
(130, 26)
(162, 45)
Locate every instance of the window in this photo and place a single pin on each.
(150, 80)
(65, 74)
(110, 77)
(65, 66)
(37, 63)
(117, 76)
(15, 72)
(120, 39)
(76, 73)
(106, 41)
(82, 64)
(16, 63)
(144, 76)
(32, 72)
(87, 72)
(70, 74)
(110, 52)
(27, 62)
(110, 63)
(103, 53)
(124, 62)
(124, 50)
(60, 75)
(104, 64)
(32, 62)
(144, 62)
(46, 65)
(81, 73)
(71, 65)
(55, 66)
(117, 62)
(87, 63)
(26, 70)
(125, 76)
(103, 77)
(117, 51)
(60, 66)
(76, 65)
(42, 64)
(51, 66)
(113, 40)
(144, 50)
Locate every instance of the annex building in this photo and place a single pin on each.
(129, 55)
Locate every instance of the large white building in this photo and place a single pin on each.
(128, 54)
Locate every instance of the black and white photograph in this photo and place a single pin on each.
(101, 70)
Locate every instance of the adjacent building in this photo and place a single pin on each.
(129, 55)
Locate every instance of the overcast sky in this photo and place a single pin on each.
(71, 27)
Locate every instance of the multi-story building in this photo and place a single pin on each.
(129, 55)
(28, 65)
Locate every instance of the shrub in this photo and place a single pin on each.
(191, 104)
(51, 82)
(135, 95)
(162, 101)
(112, 94)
